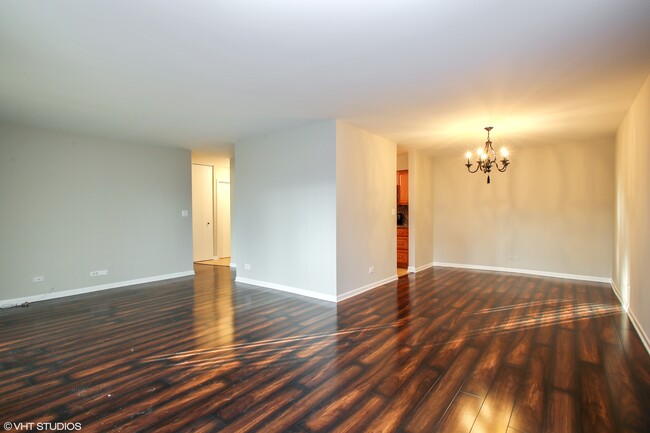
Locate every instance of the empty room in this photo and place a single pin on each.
(325, 216)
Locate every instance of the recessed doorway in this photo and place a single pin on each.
(210, 207)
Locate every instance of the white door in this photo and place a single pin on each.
(223, 219)
(202, 212)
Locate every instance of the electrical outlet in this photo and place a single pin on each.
(185, 213)
(38, 279)
(98, 273)
(371, 270)
(247, 266)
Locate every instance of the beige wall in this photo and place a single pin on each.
(403, 161)
(632, 229)
(221, 164)
(552, 211)
(365, 196)
(420, 166)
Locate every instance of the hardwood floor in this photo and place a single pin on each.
(442, 350)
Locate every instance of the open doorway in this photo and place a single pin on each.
(211, 209)
(402, 214)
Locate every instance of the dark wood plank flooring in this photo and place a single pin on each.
(443, 350)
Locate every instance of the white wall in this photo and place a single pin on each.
(285, 204)
(552, 211)
(233, 214)
(365, 198)
(632, 246)
(420, 166)
(73, 204)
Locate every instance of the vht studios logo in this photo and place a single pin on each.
(42, 426)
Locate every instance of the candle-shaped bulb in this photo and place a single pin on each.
(504, 152)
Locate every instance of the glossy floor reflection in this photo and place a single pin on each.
(441, 350)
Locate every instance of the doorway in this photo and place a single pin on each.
(402, 181)
(202, 212)
(211, 221)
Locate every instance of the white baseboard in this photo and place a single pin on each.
(526, 271)
(289, 289)
(358, 291)
(72, 292)
(635, 322)
(639, 329)
(313, 294)
(619, 295)
(413, 269)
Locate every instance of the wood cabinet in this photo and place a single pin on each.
(402, 187)
(402, 247)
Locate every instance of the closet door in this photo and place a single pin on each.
(202, 212)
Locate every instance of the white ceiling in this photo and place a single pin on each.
(423, 73)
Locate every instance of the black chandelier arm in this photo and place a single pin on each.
(468, 165)
(505, 163)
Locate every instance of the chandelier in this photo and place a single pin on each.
(486, 158)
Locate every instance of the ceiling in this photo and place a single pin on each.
(204, 74)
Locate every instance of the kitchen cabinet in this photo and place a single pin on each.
(402, 247)
(402, 187)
